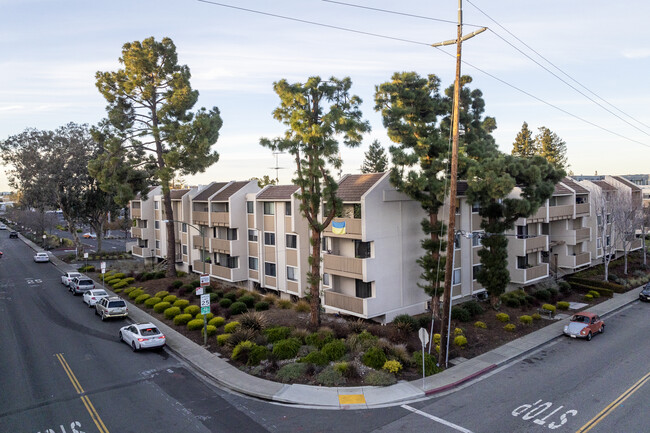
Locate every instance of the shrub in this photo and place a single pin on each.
(129, 290)
(277, 333)
(594, 294)
(302, 307)
(549, 307)
(334, 350)
(330, 377)
(182, 319)
(261, 306)
(286, 349)
(213, 297)
(292, 372)
(237, 308)
(510, 327)
(159, 274)
(161, 306)
(135, 293)
(460, 341)
(212, 330)
(320, 338)
(217, 321)
(170, 298)
(536, 316)
(140, 299)
(161, 294)
(473, 307)
(231, 327)
(588, 298)
(248, 300)
(542, 295)
(480, 324)
(284, 304)
(503, 317)
(206, 316)
(511, 302)
(152, 301)
(270, 299)
(430, 366)
(88, 268)
(374, 358)
(129, 280)
(192, 309)
(257, 355)
(458, 331)
(392, 366)
(230, 295)
(316, 357)
(120, 284)
(526, 320)
(177, 284)
(436, 338)
(195, 283)
(180, 274)
(380, 378)
(112, 281)
(253, 320)
(553, 291)
(222, 339)
(172, 312)
(461, 314)
(194, 324)
(181, 303)
(562, 305)
(564, 287)
(225, 303)
(186, 288)
(241, 351)
(406, 322)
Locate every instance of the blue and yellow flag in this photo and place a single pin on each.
(338, 228)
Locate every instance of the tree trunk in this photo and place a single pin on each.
(314, 286)
(171, 235)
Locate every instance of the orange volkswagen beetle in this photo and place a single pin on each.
(584, 325)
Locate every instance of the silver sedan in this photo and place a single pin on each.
(91, 297)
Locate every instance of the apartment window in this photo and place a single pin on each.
(292, 241)
(250, 207)
(522, 262)
(326, 280)
(232, 262)
(476, 207)
(522, 232)
(323, 244)
(269, 238)
(607, 241)
(157, 245)
(156, 205)
(292, 273)
(363, 289)
(476, 239)
(599, 219)
(287, 208)
(357, 210)
(457, 207)
(156, 225)
(185, 250)
(184, 227)
(361, 249)
(269, 269)
(476, 269)
(269, 208)
(220, 207)
(252, 235)
(232, 234)
(599, 243)
(608, 218)
(253, 263)
(456, 276)
(457, 241)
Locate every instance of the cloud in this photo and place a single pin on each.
(636, 53)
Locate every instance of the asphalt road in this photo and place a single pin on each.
(63, 369)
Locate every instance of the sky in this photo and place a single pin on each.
(50, 52)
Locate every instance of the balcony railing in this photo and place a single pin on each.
(575, 261)
(344, 266)
(539, 215)
(560, 212)
(200, 218)
(529, 245)
(352, 227)
(583, 234)
(523, 276)
(344, 302)
(220, 246)
(136, 232)
(582, 208)
(220, 218)
(136, 213)
(197, 266)
(636, 244)
(141, 251)
(221, 272)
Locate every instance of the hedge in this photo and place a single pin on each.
(135, 293)
(222, 339)
(525, 319)
(181, 303)
(161, 306)
(231, 327)
(162, 294)
(172, 312)
(617, 288)
(120, 284)
(217, 321)
(503, 317)
(192, 309)
(460, 341)
(585, 288)
(195, 324)
(549, 307)
(140, 299)
(152, 301)
(182, 319)
(170, 298)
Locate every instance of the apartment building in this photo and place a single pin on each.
(277, 241)
(141, 210)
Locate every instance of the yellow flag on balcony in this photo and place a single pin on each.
(338, 228)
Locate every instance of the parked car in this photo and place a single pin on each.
(81, 284)
(91, 297)
(644, 295)
(13, 234)
(89, 236)
(68, 276)
(3, 227)
(111, 306)
(142, 336)
(584, 325)
(41, 258)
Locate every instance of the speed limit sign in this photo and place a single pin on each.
(205, 300)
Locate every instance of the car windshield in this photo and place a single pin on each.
(149, 331)
(73, 275)
(85, 282)
(99, 293)
(580, 319)
(116, 304)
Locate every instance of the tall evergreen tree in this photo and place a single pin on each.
(411, 106)
(551, 147)
(312, 133)
(150, 130)
(524, 145)
(375, 160)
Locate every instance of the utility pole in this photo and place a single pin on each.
(451, 225)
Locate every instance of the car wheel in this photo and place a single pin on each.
(602, 329)
(133, 346)
(96, 313)
(121, 338)
(104, 318)
(589, 336)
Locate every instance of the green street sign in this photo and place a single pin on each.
(205, 310)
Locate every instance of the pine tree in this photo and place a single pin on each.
(551, 147)
(375, 160)
(524, 145)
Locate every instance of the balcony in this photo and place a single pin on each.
(220, 246)
(560, 212)
(350, 267)
(197, 241)
(221, 272)
(141, 251)
(524, 276)
(583, 235)
(572, 262)
(220, 218)
(636, 244)
(344, 302)
(136, 213)
(582, 209)
(530, 245)
(197, 266)
(352, 228)
(200, 218)
(539, 216)
(136, 232)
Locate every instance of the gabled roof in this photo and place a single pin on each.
(354, 186)
(604, 185)
(139, 196)
(561, 189)
(177, 194)
(228, 191)
(209, 190)
(575, 186)
(277, 192)
(627, 183)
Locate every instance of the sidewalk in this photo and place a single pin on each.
(226, 375)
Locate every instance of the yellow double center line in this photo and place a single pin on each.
(613, 405)
(84, 398)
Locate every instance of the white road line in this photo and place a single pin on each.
(436, 419)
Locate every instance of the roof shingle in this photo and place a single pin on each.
(354, 186)
(277, 192)
(211, 189)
